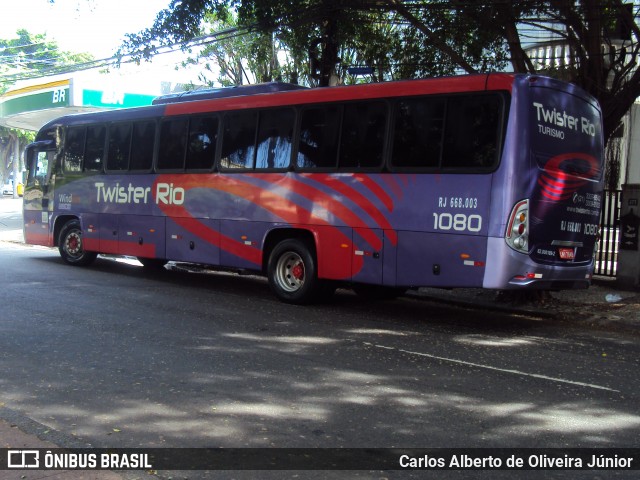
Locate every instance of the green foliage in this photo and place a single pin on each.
(320, 39)
(8, 153)
(180, 22)
(237, 57)
(29, 53)
(417, 38)
(25, 55)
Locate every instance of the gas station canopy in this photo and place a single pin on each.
(33, 103)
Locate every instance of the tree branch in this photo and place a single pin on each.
(402, 10)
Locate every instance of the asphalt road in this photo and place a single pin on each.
(10, 213)
(113, 355)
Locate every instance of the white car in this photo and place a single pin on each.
(7, 189)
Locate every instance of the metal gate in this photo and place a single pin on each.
(607, 254)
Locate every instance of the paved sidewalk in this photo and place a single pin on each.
(602, 306)
(12, 437)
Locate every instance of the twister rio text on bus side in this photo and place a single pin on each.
(165, 194)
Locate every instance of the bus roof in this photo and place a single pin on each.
(283, 94)
(224, 92)
(369, 91)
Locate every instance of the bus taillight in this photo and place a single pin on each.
(518, 227)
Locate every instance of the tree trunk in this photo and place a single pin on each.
(329, 46)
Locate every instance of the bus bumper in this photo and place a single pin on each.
(507, 269)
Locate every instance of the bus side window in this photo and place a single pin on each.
(417, 139)
(363, 133)
(173, 144)
(471, 132)
(94, 150)
(275, 135)
(74, 149)
(119, 144)
(142, 143)
(203, 134)
(238, 140)
(318, 147)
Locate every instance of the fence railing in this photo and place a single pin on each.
(607, 254)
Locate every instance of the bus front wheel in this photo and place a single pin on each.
(71, 246)
(292, 272)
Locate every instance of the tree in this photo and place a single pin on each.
(236, 57)
(436, 37)
(311, 32)
(263, 55)
(29, 53)
(24, 56)
(601, 36)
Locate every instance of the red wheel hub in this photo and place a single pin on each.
(298, 271)
(73, 243)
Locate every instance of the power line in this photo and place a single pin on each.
(534, 31)
(128, 58)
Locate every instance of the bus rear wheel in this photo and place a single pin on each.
(71, 246)
(292, 272)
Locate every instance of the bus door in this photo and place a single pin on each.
(38, 194)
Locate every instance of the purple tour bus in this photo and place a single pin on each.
(490, 181)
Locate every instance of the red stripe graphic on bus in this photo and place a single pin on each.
(564, 174)
(228, 244)
(270, 201)
(329, 203)
(377, 190)
(359, 199)
(394, 186)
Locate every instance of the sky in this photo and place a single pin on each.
(97, 27)
(94, 26)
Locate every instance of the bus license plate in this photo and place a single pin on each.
(566, 253)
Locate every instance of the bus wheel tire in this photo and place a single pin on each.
(292, 272)
(70, 245)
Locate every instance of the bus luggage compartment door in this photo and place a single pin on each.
(367, 264)
(194, 240)
(440, 260)
(141, 236)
